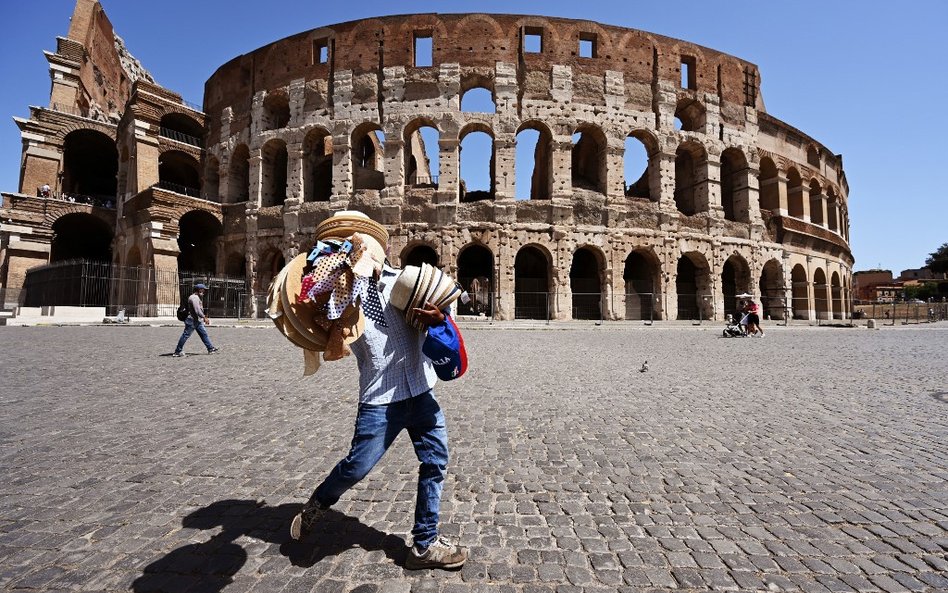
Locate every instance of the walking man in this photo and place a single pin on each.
(395, 383)
(195, 321)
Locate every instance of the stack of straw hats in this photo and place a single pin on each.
(304, 323)
(416, 286)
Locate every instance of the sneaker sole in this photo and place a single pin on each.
(421, 564)
(296, 527)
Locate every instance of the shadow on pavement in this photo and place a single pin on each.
(209, 567)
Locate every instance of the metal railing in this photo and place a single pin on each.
(140, 291)
(181, 137)
(425, 181)
(902, 312)
(179, 189)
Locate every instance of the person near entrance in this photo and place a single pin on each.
(196, 320)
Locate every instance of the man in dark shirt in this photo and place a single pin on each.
(195, 321)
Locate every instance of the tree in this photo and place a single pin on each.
(938, 261)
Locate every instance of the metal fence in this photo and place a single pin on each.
(139, 291)
(904, 312)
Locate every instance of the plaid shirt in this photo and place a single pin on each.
(391, 365)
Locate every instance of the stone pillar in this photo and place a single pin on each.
(341, 169)
(615, 170)
(255, 178)
(821, 201)
(801, 193)
(294, 171)
(394, 190)
(708, 187)
(505, 145)
(504, 275)
(662, 179)
(449, 169)
(562, 167)
(783, 205)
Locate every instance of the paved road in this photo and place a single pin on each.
(813, 460)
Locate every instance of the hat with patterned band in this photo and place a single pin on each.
(345, 223)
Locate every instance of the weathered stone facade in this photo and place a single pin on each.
(733, 200)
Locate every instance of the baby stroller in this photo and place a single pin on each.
(734, 330)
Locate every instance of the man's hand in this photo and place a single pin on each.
(207, 321)
(430, 315)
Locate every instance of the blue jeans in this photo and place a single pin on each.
(375, 429)
(189, 327)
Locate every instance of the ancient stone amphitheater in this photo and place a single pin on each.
(380, 115)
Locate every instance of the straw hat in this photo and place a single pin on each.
(301, 316)
(345, 223)
(416, 286)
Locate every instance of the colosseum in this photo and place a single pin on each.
(377, 115)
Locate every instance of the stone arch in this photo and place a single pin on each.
(478, 26)
(836, 292)
(476, 275)
(90, 164)
(772, 290)
(273, 163)
(641, 276)
(769, 186)
(269, 264)
(646, 185)
(80, 235)
(474, 186)
(534, 136)
(421, 162)
(235, 265)
(276, 111)
(238, 175)
(533, 286)
(586, 281)
(317, 165)
(821, 298)
(179, 172)
(691, 114)
(368, 157)
(693, 287)
(832, 206)
(795, 199)
(691, 163)
(735, 194)
(198, 231)
(816, 202)
(735, 280)
(589, 158)
(212, 178)
(417, 253)
(478, 99)
(800, 286)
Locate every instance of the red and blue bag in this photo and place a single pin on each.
(445, 347)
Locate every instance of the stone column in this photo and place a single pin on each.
(255, 178)
(821, 204)
(615, 170)
(562, 167)
(449, 169)
(783, 205)
(294, 171)
(708, 187)
(341, 170)
(505, 145)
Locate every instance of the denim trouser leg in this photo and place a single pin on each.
(188, 330)
(375, 430)
(202, 331)
(429, 436)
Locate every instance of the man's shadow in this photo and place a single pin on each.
(208, 567)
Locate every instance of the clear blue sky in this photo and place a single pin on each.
(866, 79)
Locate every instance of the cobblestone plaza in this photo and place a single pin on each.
(812, 460)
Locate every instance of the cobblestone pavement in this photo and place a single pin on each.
(811, 460)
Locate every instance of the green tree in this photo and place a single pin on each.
(938, 261)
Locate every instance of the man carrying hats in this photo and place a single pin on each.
(395, 394)
(195, 321)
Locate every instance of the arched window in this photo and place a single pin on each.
(419, 254)
(772, 290)
(837, 295)
(317, 166)
(769, 188)
(273, 165)
(422, 160)
(589, 159)
(368, 162)
(478, 100)
(477, 164)
(532, 298)
(238, 175)
(90, 165)
(81, 236)
(476, 275)
(179, 172)
(533, 164)
(832, 209)
(182, 128)
(693, 286)
(276, 111)
(640, 275)
(691, 178)
(212, 179)
(821, 294)
(585, 281)
(735, 280)
(795, 193)
(816, 202)
(734, 188)
(801, 292)
(637, 162)
(691, 114)
(197, 241)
